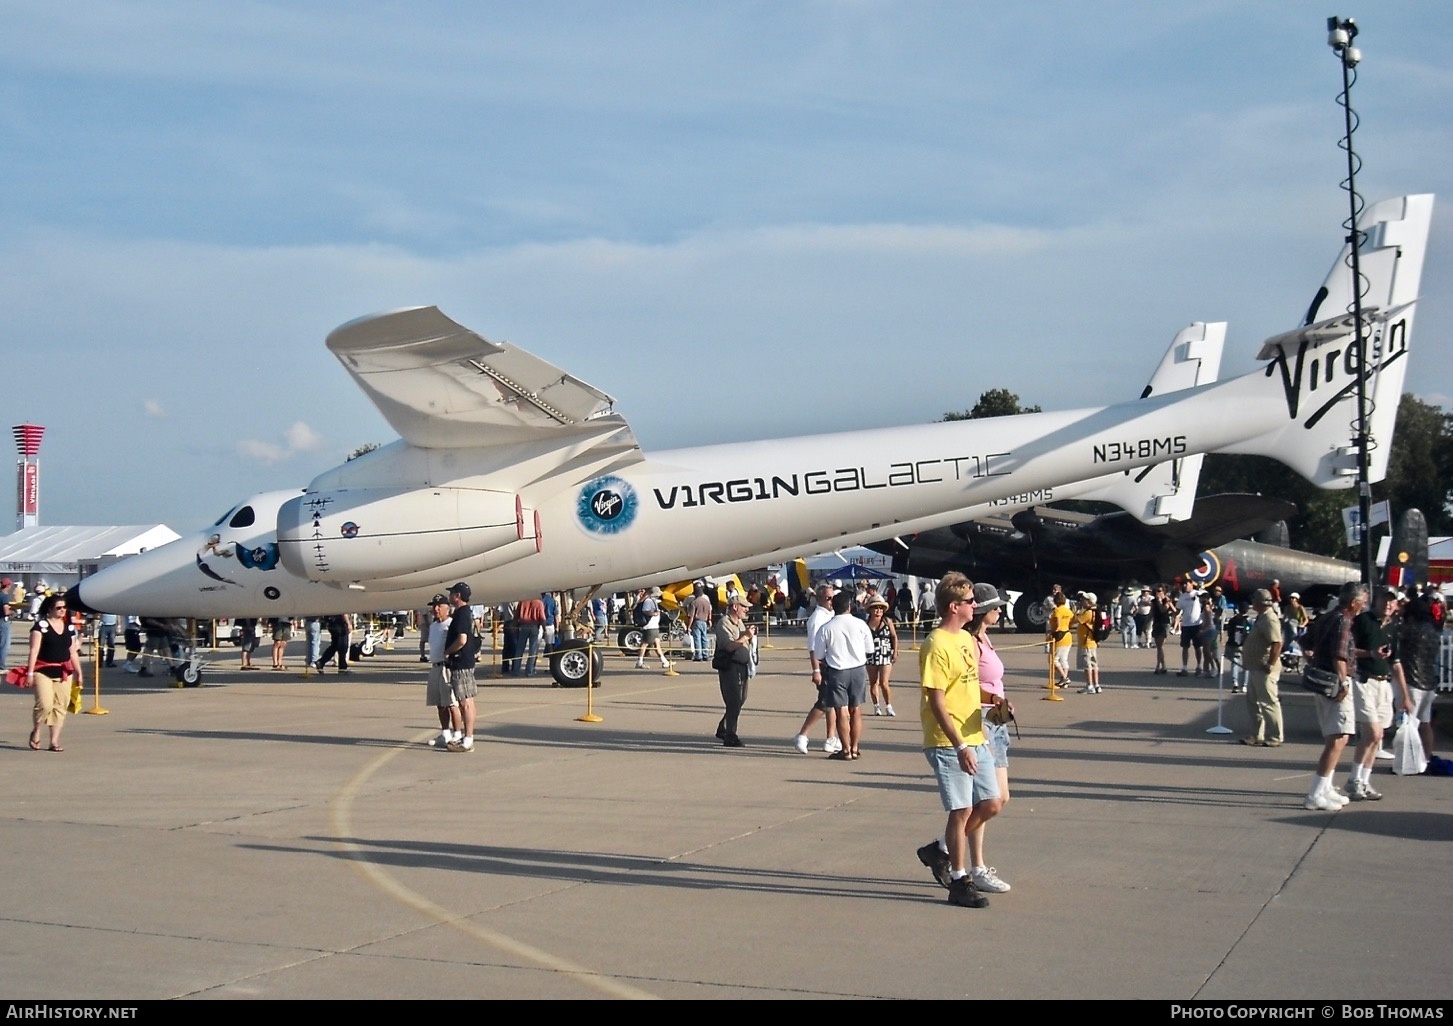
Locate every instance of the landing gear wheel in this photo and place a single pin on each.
(571, 664)
(630, 640)
(1029, 615)
(190, 676)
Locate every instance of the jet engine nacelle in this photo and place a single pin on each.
(359, 534)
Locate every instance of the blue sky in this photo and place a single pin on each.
(743, 220)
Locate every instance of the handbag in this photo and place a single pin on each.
(1321, 682)
(1408, 759)
(75, 703)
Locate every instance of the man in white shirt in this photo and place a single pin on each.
(819, 616)
(841, 648)
(1188, 602)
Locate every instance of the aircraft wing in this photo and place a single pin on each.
(1223, 518)
(442, 386)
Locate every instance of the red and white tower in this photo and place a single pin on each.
(27, 475)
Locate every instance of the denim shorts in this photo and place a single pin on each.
(996, 736)
(956, 789)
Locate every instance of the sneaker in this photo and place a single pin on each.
(832, 745)
(800, 743)
(1369, 795)
(1272, 742)
(465, 745)
(963, 893)
(1334, 795)
(935, 859)
(130, 668)
(441, 741)
(877, 710)
(890, 712)
(1383, 753)
(1320, 802)
(640, 664)
(1354, 791)
(985, 879)
(1098, 688)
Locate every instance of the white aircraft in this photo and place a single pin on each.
(518, 477)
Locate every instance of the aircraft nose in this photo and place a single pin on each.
(75, 602)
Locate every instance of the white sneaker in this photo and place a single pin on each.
(1320, 802)
(877, 710)
(800, 743)
(1334, 795)
(131, 668)
(640, 664)
(891, 712)
(1354, 790)
(1383, 753)
(440, 741)
(985, 879)
(832, 745)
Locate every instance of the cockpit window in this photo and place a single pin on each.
(224, 516)
(244, 517)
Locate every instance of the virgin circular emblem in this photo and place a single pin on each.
(606, 505)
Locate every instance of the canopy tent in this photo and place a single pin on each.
(850, 572)
(62, 555)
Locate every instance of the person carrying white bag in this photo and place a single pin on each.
(1418, 645)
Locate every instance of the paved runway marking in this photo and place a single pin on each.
(375, 874)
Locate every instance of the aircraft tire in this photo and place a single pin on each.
(1029, 615)
(630, 639)
(190, 677)
(570, 663)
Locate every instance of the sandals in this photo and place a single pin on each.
(35, 742)
(56, 748)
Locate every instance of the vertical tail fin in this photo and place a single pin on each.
(1165, 492)
(1318, 364)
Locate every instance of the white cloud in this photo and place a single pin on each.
(302, 438)
(262, 452)
(153, 409)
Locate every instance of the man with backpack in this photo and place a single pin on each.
(647, 616)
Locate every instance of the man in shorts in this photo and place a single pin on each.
(953, 739)
(820, 615)
(1059, 636)
(438, 693)
(1378, 667)
(459, 661)
(1335, 652)
(841, 647)
(648, 615)
(1089, 645)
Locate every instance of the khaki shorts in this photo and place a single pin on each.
(1372, 701)
(1335, 717)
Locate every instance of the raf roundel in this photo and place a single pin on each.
(606, 506)
(1209, 570)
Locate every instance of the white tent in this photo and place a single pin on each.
(63, 555)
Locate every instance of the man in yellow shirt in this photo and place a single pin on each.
(953, 739)
(1085, 623)
(1058, 637)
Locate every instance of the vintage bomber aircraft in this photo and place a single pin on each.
(517, 476)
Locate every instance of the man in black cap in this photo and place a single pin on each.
(438, 692)
(459, 660)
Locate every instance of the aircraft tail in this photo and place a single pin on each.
(1406, 565)
(1166, 492)
(1314, 370)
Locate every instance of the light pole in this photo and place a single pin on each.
(1340, 34)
